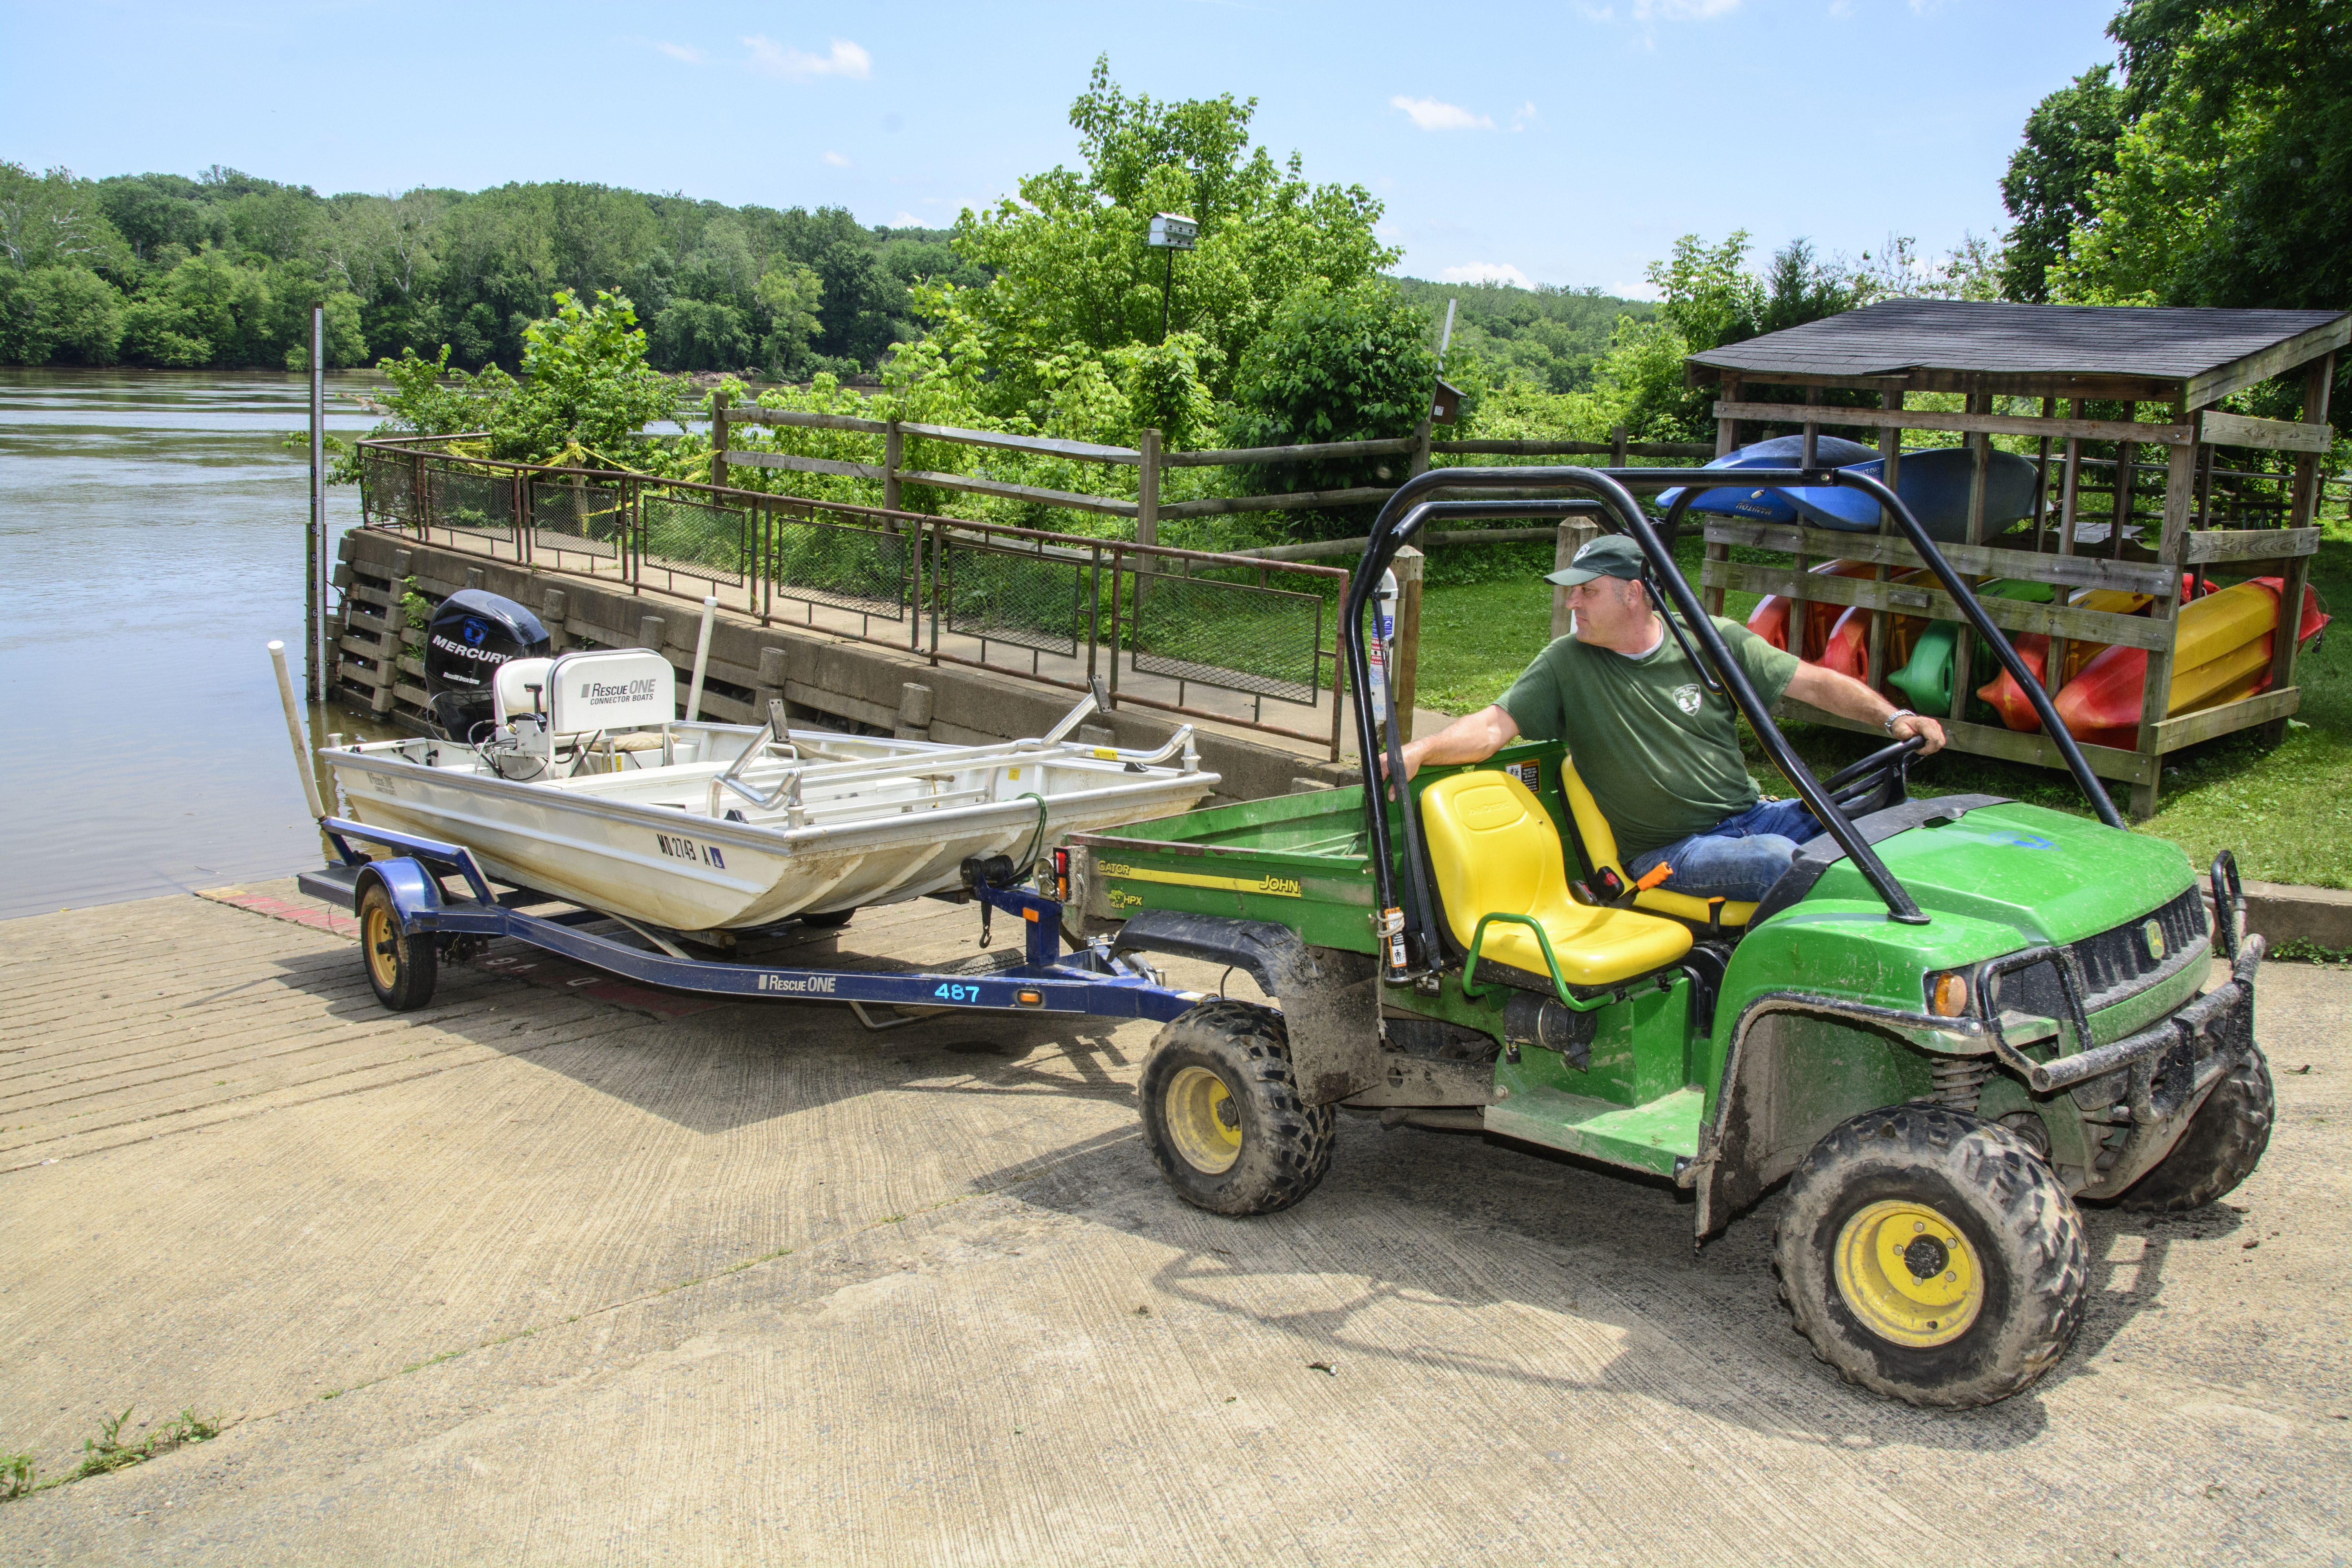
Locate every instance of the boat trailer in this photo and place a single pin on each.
(406, 916)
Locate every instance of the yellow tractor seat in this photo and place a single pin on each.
(1601, 847)
(1494, 849)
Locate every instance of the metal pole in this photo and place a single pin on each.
(294, 730)
(701, 661)
(322, 680)
(1167, 292)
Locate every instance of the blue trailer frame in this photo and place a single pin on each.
(1093, 980)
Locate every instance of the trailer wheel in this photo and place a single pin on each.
(1221, 1112)
(831, 920)
(401, 969)
(1930, 1256)
(2220, 1148)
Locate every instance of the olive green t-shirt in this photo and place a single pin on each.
(1658, 750)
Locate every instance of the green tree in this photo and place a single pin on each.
(791, 295)
(54, 220)
(1071, 272)
(58, 314)
(1335, 364)
(2070, 141)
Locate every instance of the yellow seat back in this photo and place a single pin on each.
(1493, 850)
(1601, 845)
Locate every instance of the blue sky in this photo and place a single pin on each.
(1568, 143)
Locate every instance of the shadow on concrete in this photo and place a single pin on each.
(712, 1067)
(1413, 1215)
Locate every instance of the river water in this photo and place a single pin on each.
(151, 546)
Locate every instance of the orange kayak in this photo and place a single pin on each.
(1770, 619)
(2007, 699)
(2222, 651)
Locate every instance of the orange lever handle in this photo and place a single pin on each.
(1652, 877)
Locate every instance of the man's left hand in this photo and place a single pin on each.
(1912, 724)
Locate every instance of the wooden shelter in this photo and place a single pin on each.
(2183, 361)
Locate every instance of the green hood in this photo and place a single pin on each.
(2052, 877)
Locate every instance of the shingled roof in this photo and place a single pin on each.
(2046, 350)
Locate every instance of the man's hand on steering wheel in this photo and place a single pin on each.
(1910, 724)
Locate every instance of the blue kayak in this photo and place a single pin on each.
(1934, 483)
(1781, 452)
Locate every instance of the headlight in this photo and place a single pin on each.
(1948, 992)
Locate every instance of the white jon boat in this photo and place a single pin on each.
(588, 788)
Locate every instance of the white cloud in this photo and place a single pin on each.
(1487, 272)
(907, 220)
(1597, 13)
(1645, 290)
(1431, 115)
(686, 52)
(836, 160)
(1682, 10)
(770, 57)
(1525, 115)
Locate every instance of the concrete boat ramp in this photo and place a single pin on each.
(556, 1271)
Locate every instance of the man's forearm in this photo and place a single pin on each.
(1472, 738)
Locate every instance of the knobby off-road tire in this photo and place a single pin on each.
(1221, 1112)
(401, 968)
(1932, 1256)
(2223, 1142)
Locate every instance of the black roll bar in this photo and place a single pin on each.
(1784, 478)
(1389, 536)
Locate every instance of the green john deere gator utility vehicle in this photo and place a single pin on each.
(1948, 1022)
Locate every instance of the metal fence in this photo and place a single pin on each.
(1200, 635)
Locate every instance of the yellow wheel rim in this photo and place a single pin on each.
(380, 939)
(1204, 1121)
(1907, 1274)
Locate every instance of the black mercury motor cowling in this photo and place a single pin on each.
(472, 634)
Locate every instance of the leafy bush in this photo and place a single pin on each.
(1335, 364)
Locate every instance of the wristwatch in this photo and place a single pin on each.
(1898, 713)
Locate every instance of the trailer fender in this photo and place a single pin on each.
(1329, 997)
(415, 896)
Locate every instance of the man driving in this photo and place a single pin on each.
(1658, 750)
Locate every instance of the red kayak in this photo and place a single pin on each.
(2007, 699)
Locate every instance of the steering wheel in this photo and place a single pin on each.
(1878, 780)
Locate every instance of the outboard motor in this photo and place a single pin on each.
(472, 633)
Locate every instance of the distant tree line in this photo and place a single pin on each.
(221, 272)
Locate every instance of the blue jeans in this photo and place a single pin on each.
(1737, 859)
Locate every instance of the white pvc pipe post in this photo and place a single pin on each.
(701, 661)
(294, 730)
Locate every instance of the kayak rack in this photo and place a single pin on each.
(1095, 980)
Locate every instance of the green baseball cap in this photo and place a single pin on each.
(1610, 556)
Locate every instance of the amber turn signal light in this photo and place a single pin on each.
(1948, 994)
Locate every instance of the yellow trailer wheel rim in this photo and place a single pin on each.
(1204, 1121)
(381, 940)
(1908, 1275)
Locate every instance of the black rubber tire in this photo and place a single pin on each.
(1285, 1145)
(2223, 1142)
(833, 920)
(2005, 1203)
(401, 969)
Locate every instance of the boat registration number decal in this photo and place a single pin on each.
(679, 848)
(1280, 887)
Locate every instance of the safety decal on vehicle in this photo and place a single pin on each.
(1527, 773)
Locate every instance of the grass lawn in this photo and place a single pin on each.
(2287, 811)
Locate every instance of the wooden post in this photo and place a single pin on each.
(2042, 480)
(718, 438)
(2127, 454)
(1575, 534)
(1727, 437)
(2053, 667)
(1617, 446)
(1405, 652)
(2156, 693)
(2318, 382)
(894, 456)
(1882, 625)
(1147, 490)
(1421, 446)
(1964, 651)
